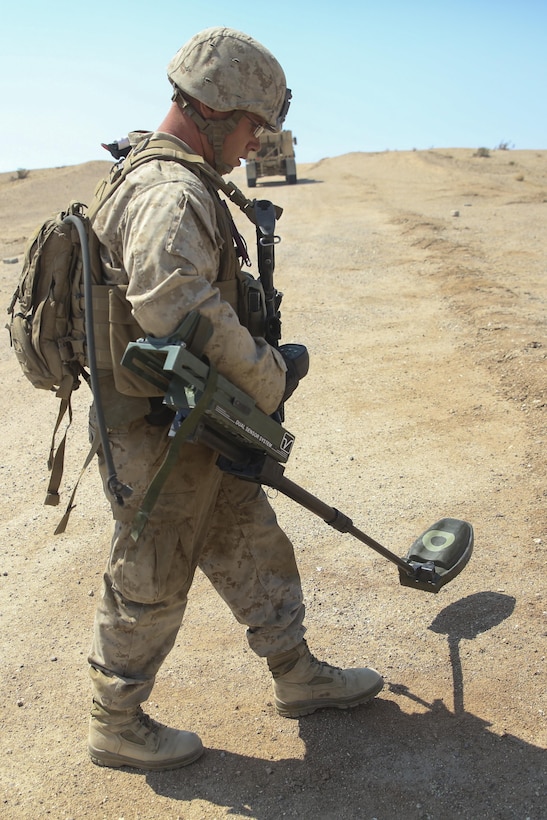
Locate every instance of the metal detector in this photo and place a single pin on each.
(252, 445)
(255, 447)
(434, 559)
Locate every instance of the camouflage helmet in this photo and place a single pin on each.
(230, 71)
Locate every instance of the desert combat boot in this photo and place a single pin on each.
(302, 684)
(132, 738)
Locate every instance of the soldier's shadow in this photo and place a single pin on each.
(378, 760)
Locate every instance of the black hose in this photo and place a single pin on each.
(115, 486)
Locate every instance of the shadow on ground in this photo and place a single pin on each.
(278, 183)
(378, 761)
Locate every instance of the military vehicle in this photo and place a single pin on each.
(274, 158)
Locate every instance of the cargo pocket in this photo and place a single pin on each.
(152, 569)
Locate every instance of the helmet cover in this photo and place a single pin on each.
(230, 71)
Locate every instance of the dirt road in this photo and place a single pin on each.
(418, 282)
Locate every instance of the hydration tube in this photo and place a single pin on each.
(118, 489)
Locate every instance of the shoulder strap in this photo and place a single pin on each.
(165, 147)
(184, 432)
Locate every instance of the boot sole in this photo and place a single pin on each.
(112, 761)
(308, 707)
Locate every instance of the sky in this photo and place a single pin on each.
(365, 76)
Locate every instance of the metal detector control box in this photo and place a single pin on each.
(229, 412)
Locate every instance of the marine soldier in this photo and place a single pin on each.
(167, 241)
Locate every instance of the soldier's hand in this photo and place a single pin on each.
(297, 361)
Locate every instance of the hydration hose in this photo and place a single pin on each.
(118, 489)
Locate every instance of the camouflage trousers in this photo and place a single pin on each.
(203, 518)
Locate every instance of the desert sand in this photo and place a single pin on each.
(418, 282)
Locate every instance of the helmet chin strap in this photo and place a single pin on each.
(215, 130)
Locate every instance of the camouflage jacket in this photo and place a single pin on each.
(162, 234)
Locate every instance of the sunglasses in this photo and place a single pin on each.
(258, 129)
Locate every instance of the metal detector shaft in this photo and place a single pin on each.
(272, 475)
(433, 560)
(266, 470)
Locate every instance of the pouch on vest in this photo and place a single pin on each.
(123, 329)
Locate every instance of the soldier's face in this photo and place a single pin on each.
(240, 141)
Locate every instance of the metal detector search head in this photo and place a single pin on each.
(438, 555)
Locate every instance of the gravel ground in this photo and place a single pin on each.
(417, 281)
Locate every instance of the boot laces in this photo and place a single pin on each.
(322, 666)
(152, 727)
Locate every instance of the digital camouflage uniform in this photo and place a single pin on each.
(165, 234)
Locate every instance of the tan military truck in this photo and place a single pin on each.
(274, 158)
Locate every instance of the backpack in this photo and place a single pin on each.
(47, 320)
(48, 310)
(47, 324)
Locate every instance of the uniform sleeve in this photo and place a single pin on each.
(171, 256)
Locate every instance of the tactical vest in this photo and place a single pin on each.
(114, 323)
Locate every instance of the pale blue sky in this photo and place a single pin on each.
(366, 76)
